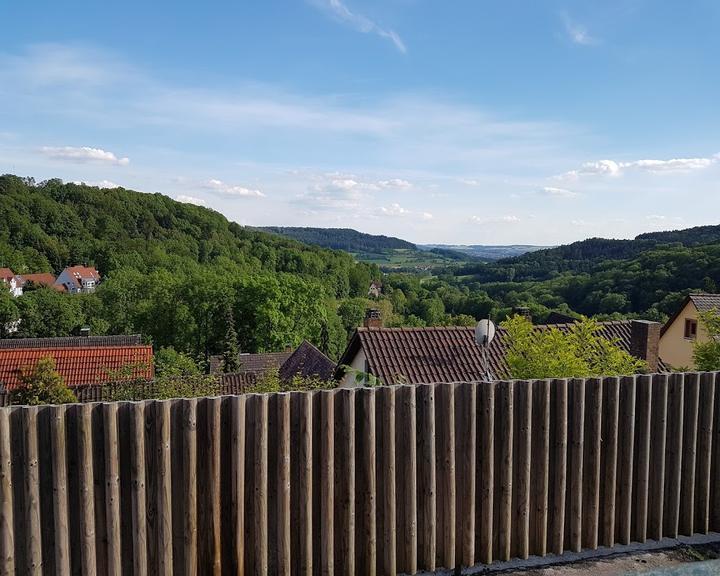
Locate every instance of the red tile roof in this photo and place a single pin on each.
(41, 279)
(446, 353)
(78, 366)
(6, 274)
(80, 272)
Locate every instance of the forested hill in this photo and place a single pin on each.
(182, 275)
(586, 255)
(342, 239)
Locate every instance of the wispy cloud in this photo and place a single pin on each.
(190, 200)
(82, 155)
(508, 219)
(339, 11)
(396, 210)
(231, 189)
(577, 33)
(558, 192)
(614, 168)
(101, 184)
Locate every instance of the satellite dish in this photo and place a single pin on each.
(484, 333)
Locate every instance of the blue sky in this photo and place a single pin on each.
(469, 121)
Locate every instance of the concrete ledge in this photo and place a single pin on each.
(571, 557)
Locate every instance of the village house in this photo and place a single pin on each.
(683, 329)
(306, 361)
(41, 279)
(77, 279)
(375, 290)
(9, 279)
(81, 361)
(450, 354)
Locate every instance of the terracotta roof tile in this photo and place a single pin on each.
(78, 366)
(41, 279)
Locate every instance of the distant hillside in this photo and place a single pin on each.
(342, 239)
(485, 252)
(586, 255)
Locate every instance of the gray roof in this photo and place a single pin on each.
(705, 302)
(72, 341)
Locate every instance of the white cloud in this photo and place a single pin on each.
(577, 33)
(427, 216)
(508, 219)
(613, 168)
(230, 189)
(101, 184)
(82, 155)
(394, 210)
(397, 183)
(190, 200)
(558, 192)
(341, 12)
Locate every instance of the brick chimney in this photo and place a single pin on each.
(645, 342)
(373, 319)
(524, 312)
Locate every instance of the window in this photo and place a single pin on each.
(690, 329)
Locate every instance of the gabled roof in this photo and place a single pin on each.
(41, 279)
(703, 302)
(6, 274)
(78, 273)
(262, 362)
(446, 353)
(72, 341)
(307, 361)
(78, 366)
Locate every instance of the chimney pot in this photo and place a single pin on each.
(524, 312)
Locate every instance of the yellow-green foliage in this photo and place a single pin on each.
(270, 382)
(550, 353)
(707, 354)
(43, 385)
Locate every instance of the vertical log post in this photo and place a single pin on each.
(658, 425)
(112, 489)
(704, 453)
(426, 483)
(689, 454)
(522, 444)
(558, 463)
(406, 485)
(626, 447)
(60, 490)
(674, 455)
(465, 440)
(386, 495)
(611, 414)
(344, 489)
(486, 482)
(7, 551)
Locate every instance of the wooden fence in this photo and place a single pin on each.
(363, 481)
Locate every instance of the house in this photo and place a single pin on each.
(375, 289)
(450, 353)
(306, 361)
(10, 280)
(682, 330)
(40, 279)
(79, 366)
(77, 279)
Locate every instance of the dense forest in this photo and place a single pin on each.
(342, 239)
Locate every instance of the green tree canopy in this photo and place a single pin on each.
(42, 384)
